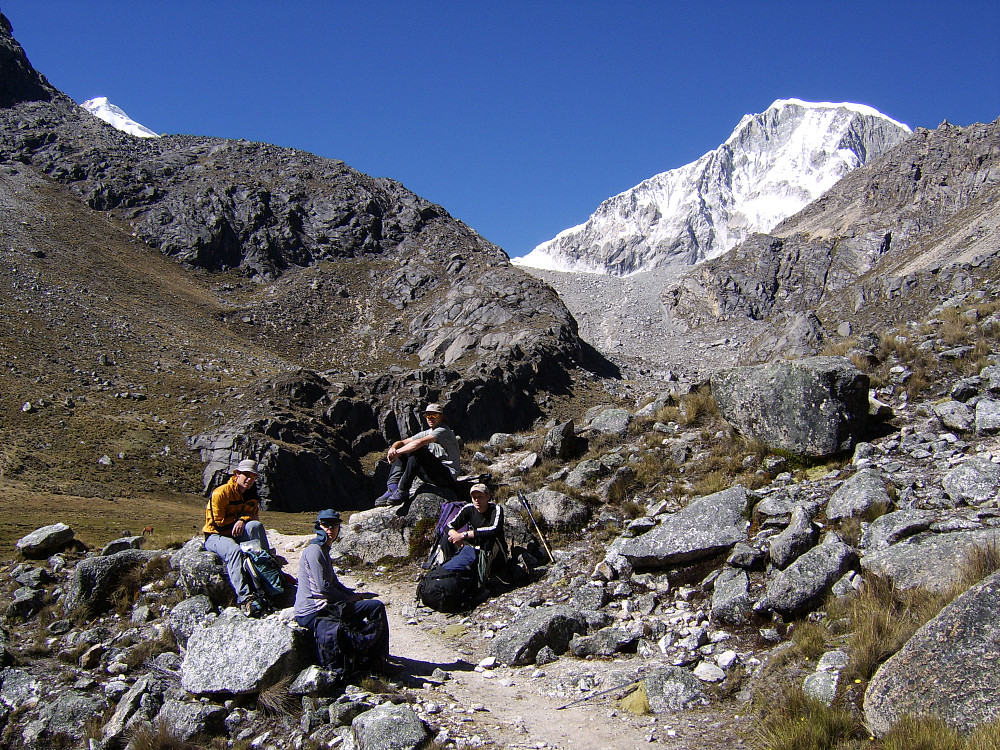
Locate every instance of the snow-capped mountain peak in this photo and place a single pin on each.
(101, 108)
(772, 165)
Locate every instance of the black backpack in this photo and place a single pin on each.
(343, 644)
(444, 590)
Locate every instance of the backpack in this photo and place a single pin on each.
(444, 590)
(265, 575)
(343, 644)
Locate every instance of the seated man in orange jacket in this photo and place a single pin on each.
(231, 518)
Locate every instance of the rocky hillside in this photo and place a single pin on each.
(706, 591)
(292, 262)
(773, 164)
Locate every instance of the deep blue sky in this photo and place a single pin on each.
(518, 117)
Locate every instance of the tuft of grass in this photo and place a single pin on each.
(922, 733)
(793, 721)
(810, 639)
(162, 736)
(275, 700)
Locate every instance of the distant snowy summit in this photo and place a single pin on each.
(101, 108)
(771, 166)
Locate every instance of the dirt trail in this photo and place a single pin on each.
(517, 707)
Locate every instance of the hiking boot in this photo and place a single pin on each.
(385, 499)
(252, 608)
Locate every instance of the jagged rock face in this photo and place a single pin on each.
(915, 226)
(21, 82)
(395, 302)
(772, 165)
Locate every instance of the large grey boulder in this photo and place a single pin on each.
(805, 581)
(62, 721)
(862, 493)
(189, 722)
(927, 560)
(946, 668)
(43, 542)
(731, 602)
(379, 533)
(987, 416)
(96, 579)
(612, 422)
(389, 727)
(556, 509)
(202, 572)
(606, 641)
(797, 539)
(673, 689)
(975, 481)
(893, 527)
(188, 615)
(238, 655)
(708, 526)
(519, 642)
(817, 406)
(562, 443)
(955, 415)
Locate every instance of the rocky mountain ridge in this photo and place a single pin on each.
(890, 241)
(773, 164)
(300, 261)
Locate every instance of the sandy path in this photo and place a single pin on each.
(513, 707)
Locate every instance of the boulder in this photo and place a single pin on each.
(955, 415)
(63, 720)
(120, 545)
(555, 509)
(974, 482)
(612, 422)
(134, 706)
(202, 572)
(562, 443)
(389, 727)
(893, 527)
(187, 615)
(189, 722)
(606, 641)
(928, 560)
(554, 626)
(798, 538)
(708, 526)
(861, 494)
(671, 689)
(586, 472)
(731, 602)
(945, 669)
(817, 406)
(987, 416)
(45, 541)
(238, 655)
(96, 579)
(805, 581)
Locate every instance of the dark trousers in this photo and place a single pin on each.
(421, 463)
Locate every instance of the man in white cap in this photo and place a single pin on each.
(432, 455)
(231, 517)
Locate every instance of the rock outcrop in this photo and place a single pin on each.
(816, 406)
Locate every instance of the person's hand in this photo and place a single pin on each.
(390, 455)
(238, 528)
(455, 536)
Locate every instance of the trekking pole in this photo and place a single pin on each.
(598, 695)
(524, 502)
